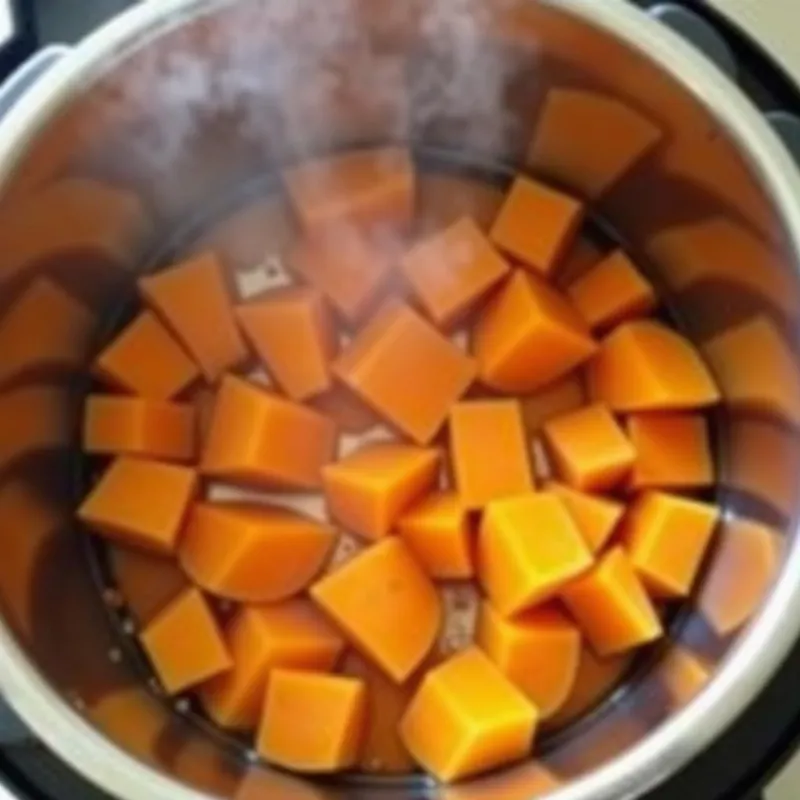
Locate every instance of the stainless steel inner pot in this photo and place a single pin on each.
(173, 107)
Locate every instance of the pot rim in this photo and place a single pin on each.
(755, 657)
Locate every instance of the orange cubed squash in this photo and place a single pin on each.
(139, 426)
(565, 395)
(146, 582)
(645, 366)
(490, 451)
(611, 606)
(528, 548)
(666, 538)
(672, 451)
(312, 722)
(369, 490)
(372, 187)
(382, 750)
(260, 438)
(395, 355)
(529, 336)
(347, 267)
(349, 413)
(452, 270)
(536, 224)
(140, 502)
(184, 643)
(443, 199)
(590, 449)
(145, 359)
(252, 553)
(611, 292)
(386, 604)
(438, 531)
(596, 517)
(193, 300)
(538, 651)
(565, 149)
(292, 333)
(467, 718)
(290, 635)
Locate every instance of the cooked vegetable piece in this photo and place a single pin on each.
(467, 717)
(292, 635)
(193, 300)
(528, 336)
(140, 502)
(536, 224)
(529, 547)
(490, 451)
(565, 395)
(349, 413)
(596, 517)
(386, 605)
(259, 438)
(184, 643)
(444, 198)
(406, 370)
(139, 426)
(590, 449)
(145, 359)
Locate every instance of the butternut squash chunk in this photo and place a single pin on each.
(596, 517)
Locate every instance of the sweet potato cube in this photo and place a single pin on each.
(646, 366)
(368, 490)
(141, 503)
(528, 548)
(439, 534)
(528, 336)
(565, 149)
(536, 224)
(386, 604)
(596, 517)
(611, 606)
(312, 722)
(145, 359)
(289, 635)
(184, 643)
(666, 538)
(382, 750)
(292, 333)
(467, 717)
(538, 651)
(565, 395)
(490, 451)
(373, 187)
(252, 553)
(672, 451)
(611, 292)
(341, 404)
(452, 270)
(259, 438)
(194, 302)
(591, 451)
(395, 355)
(346, 266)
(139, 426)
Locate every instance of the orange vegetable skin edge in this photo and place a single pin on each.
(312, 722)
(252, 553)
(115, 508)
(395, 354)
(611, 606)
(184, 643)
(528, 336)
(386, 605)
(467, 718)
(368, 490)
(538, 651)
(528, 548)
(292, 635)
(193, 300)
(259, 438)
(489, 450)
